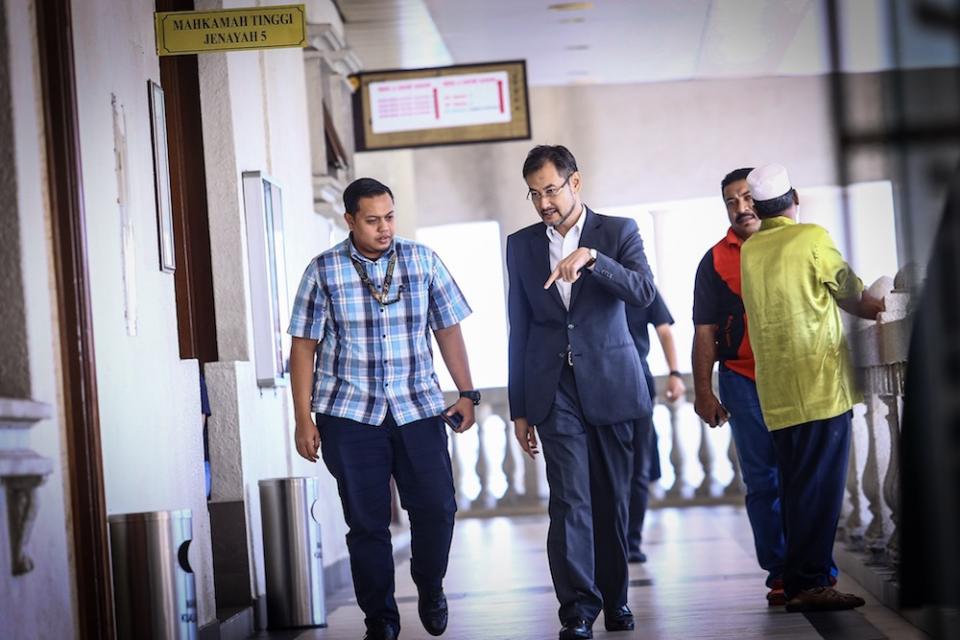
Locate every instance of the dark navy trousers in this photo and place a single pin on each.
(646, 469)
(363, 458)
(813, 471)
(588, 471)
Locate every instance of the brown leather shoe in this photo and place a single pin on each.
(823, 599)
(776, 597)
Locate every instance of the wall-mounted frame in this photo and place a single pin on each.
(161, 172)
(458, 104)
(268, 278)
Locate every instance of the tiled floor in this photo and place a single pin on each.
(701, 581)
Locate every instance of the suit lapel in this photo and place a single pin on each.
(540, 254)
(587, 239)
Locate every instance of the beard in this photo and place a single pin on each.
(562, 216)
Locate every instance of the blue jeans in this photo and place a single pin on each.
(758, 462)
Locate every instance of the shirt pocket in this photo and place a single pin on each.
(414, 297)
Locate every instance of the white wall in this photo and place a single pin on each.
(40, 604)
(149, 399)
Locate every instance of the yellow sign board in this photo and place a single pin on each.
(180, 32)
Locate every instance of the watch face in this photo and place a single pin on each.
(473, 395)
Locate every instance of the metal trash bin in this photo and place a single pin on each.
(154, 592)
(292, 553)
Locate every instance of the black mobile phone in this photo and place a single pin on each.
(454, 421)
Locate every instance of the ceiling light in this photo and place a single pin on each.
(570, 6)
(577, 47)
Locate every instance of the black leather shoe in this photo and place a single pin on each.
(576, 629)
(619, 619)
(433, 612)
(636, 557)
(381, 630)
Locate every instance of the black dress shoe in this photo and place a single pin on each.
(381, 630)
(576, 629)
(433, 612)
(636, 557)
(619, 619)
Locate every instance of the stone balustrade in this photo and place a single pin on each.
(494, 477)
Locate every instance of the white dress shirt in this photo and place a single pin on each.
(563, 246)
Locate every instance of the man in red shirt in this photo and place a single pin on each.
(720, 333)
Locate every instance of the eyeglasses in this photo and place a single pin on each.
(549, 192)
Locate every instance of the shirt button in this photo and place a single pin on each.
(569, 326)
(381, 309)
(384, 335)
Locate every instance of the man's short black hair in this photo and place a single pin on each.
(558, 155)
(774, 206)
(734, 176)
(363, 188)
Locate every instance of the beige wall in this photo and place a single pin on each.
(638, 143)
(646, 143)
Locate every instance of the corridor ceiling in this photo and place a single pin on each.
(628, 41)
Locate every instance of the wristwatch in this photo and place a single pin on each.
(676, 373)
(473, 394)
(593, 257)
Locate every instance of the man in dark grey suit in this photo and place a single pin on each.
(576, 379)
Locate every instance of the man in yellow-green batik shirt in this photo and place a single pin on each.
(794, 284)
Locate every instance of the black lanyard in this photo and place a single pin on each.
(379, 296)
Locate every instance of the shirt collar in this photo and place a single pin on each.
(352, 250)
(553, 234)
(775, 222)
(732, 238)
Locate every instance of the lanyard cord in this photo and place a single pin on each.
(379, 296)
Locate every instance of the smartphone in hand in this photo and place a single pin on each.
(453, 420)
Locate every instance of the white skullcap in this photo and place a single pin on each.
(768, 182)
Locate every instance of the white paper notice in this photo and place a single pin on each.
(432, 103)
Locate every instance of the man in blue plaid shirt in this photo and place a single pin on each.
(361, 361)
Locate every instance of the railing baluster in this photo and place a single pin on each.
(511, 496)
(891, 483)
(657, 492)
(736, 486)
(851, 520)
(707, 488)
(484, 499)
(456, 462)
(875, 536)
(680, 488)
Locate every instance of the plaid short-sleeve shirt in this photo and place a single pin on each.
(372, 357)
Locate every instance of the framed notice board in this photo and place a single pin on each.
(459, 104)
